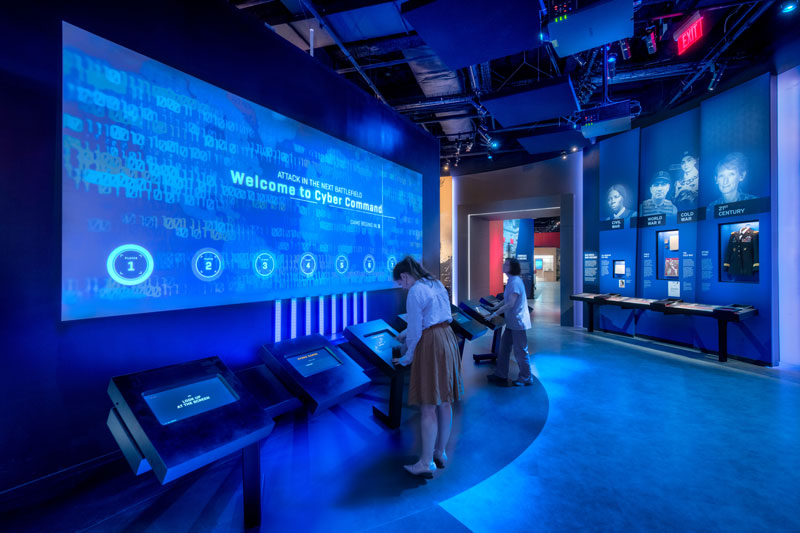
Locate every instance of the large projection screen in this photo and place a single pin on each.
(178, 194)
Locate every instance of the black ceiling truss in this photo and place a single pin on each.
(658, 79)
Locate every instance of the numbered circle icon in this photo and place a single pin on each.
(207, 264)
(391, 263)
(308, 264)
(369, 264)
(264, 264)
(129, 264)
(342, 264)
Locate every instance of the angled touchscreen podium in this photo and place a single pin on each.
(315, 371)
(376, 340)
(176, 419)
(478, 312)
(465, 328)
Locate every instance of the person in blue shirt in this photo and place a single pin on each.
(518, 321)
(431, 348)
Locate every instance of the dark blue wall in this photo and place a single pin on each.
(619, 165)
(55, 374)
(739, 120)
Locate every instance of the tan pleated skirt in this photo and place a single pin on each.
(436, 368)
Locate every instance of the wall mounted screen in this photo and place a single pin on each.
(178, 194)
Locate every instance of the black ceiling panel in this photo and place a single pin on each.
(551, 99)
(465, 33)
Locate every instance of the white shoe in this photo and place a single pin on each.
(421, 469)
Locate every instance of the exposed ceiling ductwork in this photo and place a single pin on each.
(375, 44)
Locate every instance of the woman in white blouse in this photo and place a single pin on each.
(431, 348)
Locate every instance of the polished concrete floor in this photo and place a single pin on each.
(614, 437)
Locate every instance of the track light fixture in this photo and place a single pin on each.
(447, 164)
(625, 48)
(574, 148)
(563, 154)
(715, 76)
(650, 40)
(787, 6)
(489, 155)
(612, 64)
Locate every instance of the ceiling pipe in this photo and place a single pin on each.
(446, 118)
(385, 64)
(432, 104)
(462, 155)
(473, 79)
(324, 22)
(549, 48)
(605, 74)
(549, 123)
(712, 56)
(650, 73)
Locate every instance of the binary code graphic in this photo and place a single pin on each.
(178, 194)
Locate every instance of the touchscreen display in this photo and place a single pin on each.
(619, 268)
(189, 400)
(382, 340)
(484, 312)
(311, 363)
(461, 318)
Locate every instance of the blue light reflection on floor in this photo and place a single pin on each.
(637, 440)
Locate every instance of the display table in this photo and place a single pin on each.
(673, 306)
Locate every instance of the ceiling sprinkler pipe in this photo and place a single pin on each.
(473, 79)
(605, 73)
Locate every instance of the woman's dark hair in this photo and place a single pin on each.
(410, 266)
(513, 266)
(620, 189)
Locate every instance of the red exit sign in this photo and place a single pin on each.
(689, 33)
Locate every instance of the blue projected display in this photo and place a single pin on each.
(178, 194)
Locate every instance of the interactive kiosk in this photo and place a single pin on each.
(462, 325)
(179, 418)
(315, 370)
(465, 326)
(492, 300)
(674, 306)
(477, 311)
(376, 340)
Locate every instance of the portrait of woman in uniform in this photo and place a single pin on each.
(730, 175)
